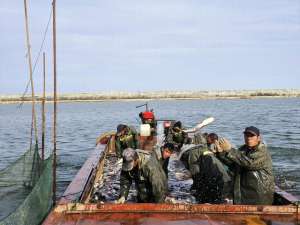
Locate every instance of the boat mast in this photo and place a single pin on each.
(55, 100)
(30, 72)
(43, 106)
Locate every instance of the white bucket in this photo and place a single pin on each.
(145, 130)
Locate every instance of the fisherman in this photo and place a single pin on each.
(126, 137)
(177, 136)
(163, 154)
(148, 175)
(147, 117)
(211, 182)
(254, 180)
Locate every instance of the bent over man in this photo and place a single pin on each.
(148, 175)
(211, 182)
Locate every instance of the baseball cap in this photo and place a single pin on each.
(129, 156)
(252, 130)
(177, 124)
(169, 146)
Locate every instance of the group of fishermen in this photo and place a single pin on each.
(219, 171)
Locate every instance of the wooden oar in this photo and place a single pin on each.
(200, 125)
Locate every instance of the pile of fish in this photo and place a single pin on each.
(108, 188)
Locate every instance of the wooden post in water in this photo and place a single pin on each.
(30, 73)
(54, 103)
(43, 106)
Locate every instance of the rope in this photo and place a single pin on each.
(36, 59)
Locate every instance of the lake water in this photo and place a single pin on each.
(80, 123)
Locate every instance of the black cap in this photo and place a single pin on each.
(120, 128)
(177, 124)
(252, 130)
(169, 146)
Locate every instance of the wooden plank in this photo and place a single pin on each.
(67, 212)
(178, 208)
(78, 184)
(158, 218)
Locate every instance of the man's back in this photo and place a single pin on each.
(150, 179)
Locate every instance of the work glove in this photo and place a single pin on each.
(223, 145)
(120, 161)
(120, 200)
(170, 200)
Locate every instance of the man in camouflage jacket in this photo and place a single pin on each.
(148, 175)
(177, 136)
(126, 137)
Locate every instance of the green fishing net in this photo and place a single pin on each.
(26, 189)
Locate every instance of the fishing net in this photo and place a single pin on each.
(26, 189)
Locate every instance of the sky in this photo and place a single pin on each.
(173, 45)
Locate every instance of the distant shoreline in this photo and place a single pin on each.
(159, 95)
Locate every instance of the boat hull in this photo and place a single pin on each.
(74, 206)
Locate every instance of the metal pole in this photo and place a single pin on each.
(30, 72)
(43, 106)
(55, 100)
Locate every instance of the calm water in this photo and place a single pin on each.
(80, 123)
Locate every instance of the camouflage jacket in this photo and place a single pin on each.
(150, 179)
(253, 176)
(129, 140)
(177, 138)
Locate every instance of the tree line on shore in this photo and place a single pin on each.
(158, 95)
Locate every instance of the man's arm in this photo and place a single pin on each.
(118, 148)
(254, 161)
(186, 138)
(193, 163)
(125, 183)
(158, 181)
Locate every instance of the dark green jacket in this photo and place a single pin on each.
(129, 140)
(150, 180)
(211, 180)
(254, 180)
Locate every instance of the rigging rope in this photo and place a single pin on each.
(37, 58)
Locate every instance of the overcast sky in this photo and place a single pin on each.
(134, 45)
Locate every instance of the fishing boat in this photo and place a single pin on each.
(79, 206)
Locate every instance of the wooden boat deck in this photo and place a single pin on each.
(74, 207)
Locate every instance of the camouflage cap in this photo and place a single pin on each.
(129, 156)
